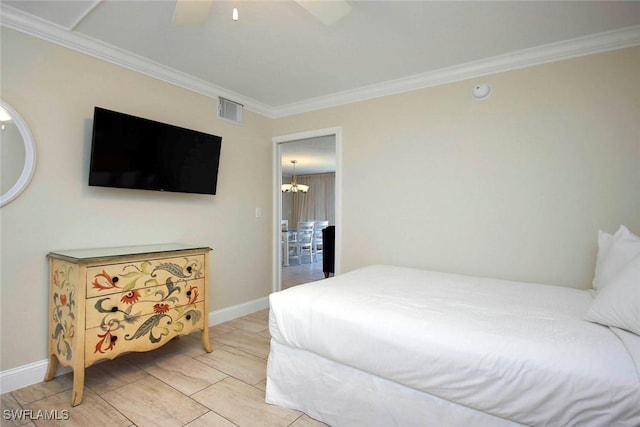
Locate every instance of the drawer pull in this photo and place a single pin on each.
(188, 293)
(115, 279)
(114, 309)
(114, 338)
(188, 316)
(189, 269)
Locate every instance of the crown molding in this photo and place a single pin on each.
(601, 42)
(611, 40)
(20, 21)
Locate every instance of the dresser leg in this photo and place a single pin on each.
(52, 368)
(204, 335)
(78, 386)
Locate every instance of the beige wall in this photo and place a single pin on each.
(55, 90)
(515, 186)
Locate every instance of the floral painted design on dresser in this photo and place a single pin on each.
(104, 302)
(64, 310)
(147, 274)
(145, 309)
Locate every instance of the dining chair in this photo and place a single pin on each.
(285, 237)
(305, 225)
(290, 242)
(304, 232)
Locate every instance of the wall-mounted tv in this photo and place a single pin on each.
(132, 152)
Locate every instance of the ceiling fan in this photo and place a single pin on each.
(196, 12)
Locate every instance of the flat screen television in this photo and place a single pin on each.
(132, 152)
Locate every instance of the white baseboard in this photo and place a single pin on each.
(225, 314)
(22, 376)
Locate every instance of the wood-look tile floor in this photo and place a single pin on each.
(297, 273)
(178, 384)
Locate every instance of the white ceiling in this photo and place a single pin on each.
(313, 155)
(279, 60)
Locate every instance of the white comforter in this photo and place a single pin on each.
(515, 350)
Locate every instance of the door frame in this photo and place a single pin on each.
(277, 196)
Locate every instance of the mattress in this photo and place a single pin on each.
(342, 396)
(517, 351)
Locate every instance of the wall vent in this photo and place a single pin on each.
(229, 110)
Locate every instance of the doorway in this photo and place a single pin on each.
(317, 153)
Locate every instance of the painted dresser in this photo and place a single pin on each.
(109, 301)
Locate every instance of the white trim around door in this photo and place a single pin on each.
(277, 196)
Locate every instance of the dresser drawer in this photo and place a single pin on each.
(123, 277)
(101, 310)
(143, 333)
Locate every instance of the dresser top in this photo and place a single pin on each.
(97, 254)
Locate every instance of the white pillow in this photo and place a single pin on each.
(604, 244)
(613, 253)
(632, 342)
(618, 303)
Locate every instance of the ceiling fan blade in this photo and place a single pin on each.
(191, 12)
(327, 12)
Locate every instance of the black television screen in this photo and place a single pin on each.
(132, 152)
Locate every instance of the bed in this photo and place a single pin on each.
(388, 345)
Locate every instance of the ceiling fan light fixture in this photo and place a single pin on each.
(234, 15)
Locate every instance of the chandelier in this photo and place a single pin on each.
(294, 187)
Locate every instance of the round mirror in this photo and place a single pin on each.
(17, 154)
